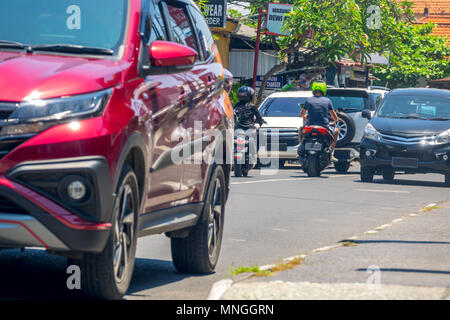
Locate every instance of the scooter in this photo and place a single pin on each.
(315, 152)
(244, 153)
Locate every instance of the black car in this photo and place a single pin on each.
(410, 132)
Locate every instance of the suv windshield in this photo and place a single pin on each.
(282, 107)
(349, 103)
(415, 107)
(69, 24)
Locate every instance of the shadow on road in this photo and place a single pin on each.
(36, 275)
(151, 273)
(33, 275)
(394, 241)
(415, 183)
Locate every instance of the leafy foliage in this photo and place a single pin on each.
(419, 56)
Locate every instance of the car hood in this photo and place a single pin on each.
(409, 127)
(283, 122)
(36, 76)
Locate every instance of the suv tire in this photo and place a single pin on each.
(342, 166)
(388, 175)
(199, 251)
(347, 129)
(367, 174)
(107, 275)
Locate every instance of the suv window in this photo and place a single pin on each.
(205, 37)
(282, 107)
(158, 28)
(99, 23)
(181, 27)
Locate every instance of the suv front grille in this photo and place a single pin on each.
(7, 206)
(7, 144)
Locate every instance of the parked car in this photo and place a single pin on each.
(409, 133)
(281, 111)
(93, 94)
(349, 104)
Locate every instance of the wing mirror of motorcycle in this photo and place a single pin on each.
(366, 114)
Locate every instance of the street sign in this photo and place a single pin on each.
(216, 13)
(274, 83)
(276, 14)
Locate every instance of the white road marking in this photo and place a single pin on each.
(397, 220)
(238, 240)
(219, 288)
(382, 191)
(280, 229)
(371, 232)
(384, 226)
(327, 248)
(282, 180)
(271, 180)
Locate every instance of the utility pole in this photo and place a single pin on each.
(258, 40)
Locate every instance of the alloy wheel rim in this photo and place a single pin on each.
(123, 233)
(215, 220)
(342, 126)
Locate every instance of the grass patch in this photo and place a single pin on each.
(288, 265)
(243, 269)
(257, 272)
(430, 208)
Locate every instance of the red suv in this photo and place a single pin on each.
(106, 108)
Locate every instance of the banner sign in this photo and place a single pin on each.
(276, 14)
(216, 13)
(274, 83)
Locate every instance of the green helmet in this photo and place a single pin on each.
(320, 86)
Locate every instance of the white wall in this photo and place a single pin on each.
(242, 61)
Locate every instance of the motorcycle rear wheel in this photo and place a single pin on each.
(312, 166)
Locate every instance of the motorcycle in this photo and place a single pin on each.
(244, 153)
(315, 152)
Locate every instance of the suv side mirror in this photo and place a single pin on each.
(366, 114)
(170, 57)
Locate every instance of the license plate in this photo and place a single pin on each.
(412, 163)
(310, 146)
(277, 147)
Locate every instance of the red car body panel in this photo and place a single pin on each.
(154, 108)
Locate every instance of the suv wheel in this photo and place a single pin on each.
(367, 174)
(342, 166)
(107, 275)
(388, 175)
(199, 251)
(238, 170)
(347, 129)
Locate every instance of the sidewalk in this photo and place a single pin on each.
(404, 259)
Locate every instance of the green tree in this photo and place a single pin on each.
(339, 29)
(419, 56)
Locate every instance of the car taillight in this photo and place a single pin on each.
(322, 131)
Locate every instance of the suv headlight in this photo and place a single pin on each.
(371, 133)
(443, 138)
(38, 115)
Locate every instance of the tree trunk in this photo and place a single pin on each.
(268, 75)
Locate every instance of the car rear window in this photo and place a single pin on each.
(348, 102)
(282, 107)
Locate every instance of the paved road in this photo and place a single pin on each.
(268, 217)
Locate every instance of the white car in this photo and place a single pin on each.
(279, 137)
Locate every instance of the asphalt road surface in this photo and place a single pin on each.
(268, 217)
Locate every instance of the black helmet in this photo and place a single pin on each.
(245, 94)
